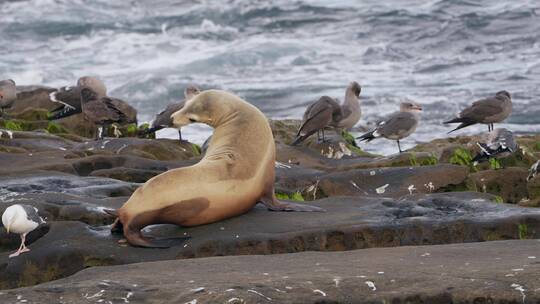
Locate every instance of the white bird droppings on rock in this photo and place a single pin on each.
(197, 290)
(520, 289)
(411, 188)
(322, 293)
(382, 189)
(260, 294)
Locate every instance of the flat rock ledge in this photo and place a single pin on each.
(489, 272)
(63, 248)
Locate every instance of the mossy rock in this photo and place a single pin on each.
(31, 114)
(292, 196)
(509, 183)
(55, 128)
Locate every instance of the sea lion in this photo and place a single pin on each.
(236, 172)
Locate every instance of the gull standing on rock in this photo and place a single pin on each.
(397, 125)
(350, 108)
(21, 219)
(100, 111)
(534, 170)
(8, 94)
(485, 111)
(319, 115)
(164, 120)
(69, 98)
(327, 112)
(500, 144)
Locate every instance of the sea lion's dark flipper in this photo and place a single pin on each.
(135, 238)
(117, 226)
(273, 204)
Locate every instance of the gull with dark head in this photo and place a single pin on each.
(397, 125)
(101, 111)
(69, 98)
(319, 115)
(327, 112)
(485, 111)
(350, 107)
(163, 119)
(21, 219)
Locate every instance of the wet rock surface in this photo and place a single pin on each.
(431, 195)
(349, 223)
(491, 272)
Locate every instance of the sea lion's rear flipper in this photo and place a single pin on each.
(137, 239)
(273, 204)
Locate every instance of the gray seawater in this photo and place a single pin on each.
(281, 55)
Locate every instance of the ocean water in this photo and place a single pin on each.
(281, 55)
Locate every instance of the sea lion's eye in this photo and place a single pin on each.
(192, 120)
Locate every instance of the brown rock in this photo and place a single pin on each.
(509, 183)
(490, 272)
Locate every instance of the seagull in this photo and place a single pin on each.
(500, 143)
(8, 94)
(163, 119)
(350, 107)
(534, 170)
(327, 112)
(69, 98)
(397, 125)
(319, 115)
(486, 111)
(100, 111)
(21, 219)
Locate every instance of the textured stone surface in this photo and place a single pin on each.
(349, 223)
(386, 182)
(492, 272)
(510, 184)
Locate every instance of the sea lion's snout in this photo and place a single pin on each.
(181, 119)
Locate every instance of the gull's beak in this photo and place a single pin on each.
(419, 108)
(8, 227)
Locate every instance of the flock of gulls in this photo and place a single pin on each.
(89, 96)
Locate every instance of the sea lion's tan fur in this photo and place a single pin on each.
(236, 172)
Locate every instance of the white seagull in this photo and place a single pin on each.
(21, 219)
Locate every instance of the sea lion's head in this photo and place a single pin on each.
(200, 108)
(93, 83)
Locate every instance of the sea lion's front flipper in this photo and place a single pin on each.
(117, 226)
(273, 204)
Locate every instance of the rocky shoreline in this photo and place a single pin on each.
(429, 195)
